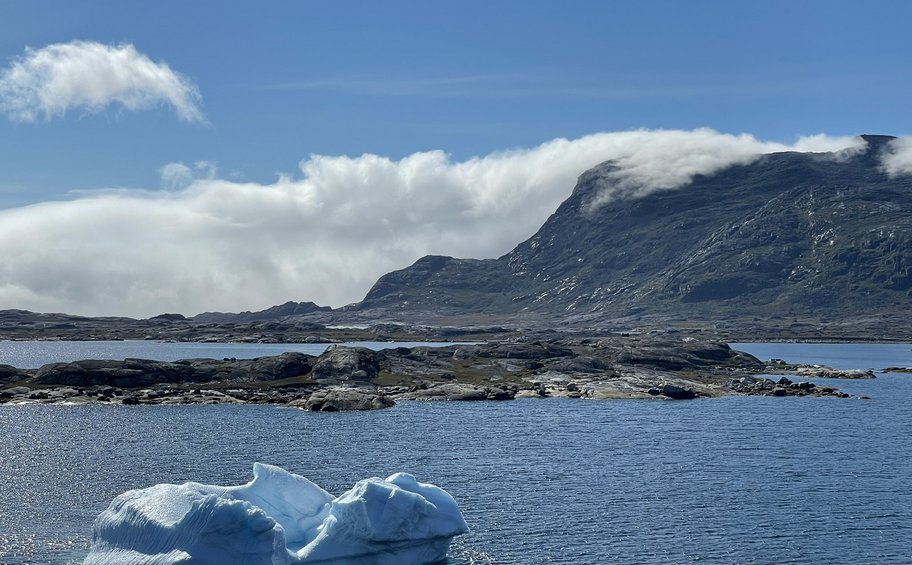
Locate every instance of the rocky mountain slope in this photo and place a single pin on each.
(821, 237)
(302, 310)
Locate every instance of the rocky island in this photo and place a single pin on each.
(356, 378)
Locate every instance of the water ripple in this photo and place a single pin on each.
(734, 480)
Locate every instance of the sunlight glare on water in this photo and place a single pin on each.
(731, 480)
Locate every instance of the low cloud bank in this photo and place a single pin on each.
(87, 76)
(649, 161)
(897, 159)
(327, 234)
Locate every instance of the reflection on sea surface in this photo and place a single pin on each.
(730, 480)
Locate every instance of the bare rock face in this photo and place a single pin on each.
(127, 373)
(286, 365)
(342, 399)
(343, 364)
(134, 373)
(459, 391)
(824, 235)
(10, 374)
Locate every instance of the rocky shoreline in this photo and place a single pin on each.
(355, 378)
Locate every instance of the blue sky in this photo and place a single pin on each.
(189, 156)
(282, 80)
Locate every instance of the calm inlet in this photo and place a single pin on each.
(730, 480)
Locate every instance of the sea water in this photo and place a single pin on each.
(729, 480)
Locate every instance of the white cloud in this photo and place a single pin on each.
(897, 159)
(660, 160)
(88, 76)
(326, 235)
(175, 176)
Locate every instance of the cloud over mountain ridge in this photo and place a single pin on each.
(326, 235)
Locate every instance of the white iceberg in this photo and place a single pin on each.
(278, 518)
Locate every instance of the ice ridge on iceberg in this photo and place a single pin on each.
(278, 518)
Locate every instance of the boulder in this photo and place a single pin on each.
(678, 392)
(342, 364)
(284, 366)
(341, 399)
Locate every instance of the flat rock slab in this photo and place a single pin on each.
(343, 399)
(458, 391)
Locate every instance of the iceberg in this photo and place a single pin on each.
(278, 518)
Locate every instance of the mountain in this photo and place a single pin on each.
(814, 236)
(289, 310)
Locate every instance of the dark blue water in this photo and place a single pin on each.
(837, 355)
(731, 480)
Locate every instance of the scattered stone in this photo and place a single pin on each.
(815, 371)
(821, 372)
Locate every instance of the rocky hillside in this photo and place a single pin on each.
(792, 235)
(297, 310)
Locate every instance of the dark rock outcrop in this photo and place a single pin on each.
(284, 366)
(10, 374)
(169, 317)
(343, 399)
(126, 373)
(677, 392)
(782, 387)
(459, 392)
(133, 373)
(282, 311)
(340, 364)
